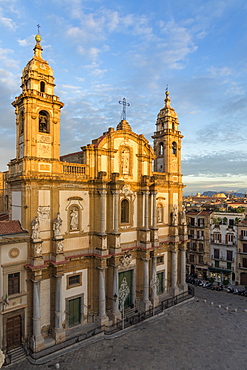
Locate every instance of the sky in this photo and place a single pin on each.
(102, 51)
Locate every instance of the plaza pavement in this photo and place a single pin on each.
(193, 336)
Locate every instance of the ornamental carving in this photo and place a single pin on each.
(14, 253)
(38, 250)
(126, 259)
(60, 247)
(44, 213)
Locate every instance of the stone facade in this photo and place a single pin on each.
(13, 287)
(99, 220)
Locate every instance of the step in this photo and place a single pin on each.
(17, 354)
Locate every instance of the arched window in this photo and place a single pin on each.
(174, 148)
(161, 149)
(42, 86)
(44, 121)
(124, 211)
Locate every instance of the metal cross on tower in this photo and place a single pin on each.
(125, 104)
(38, 27)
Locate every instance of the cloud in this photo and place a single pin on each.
(8, 22)
(227, 163)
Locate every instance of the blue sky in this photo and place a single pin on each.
(102, 51)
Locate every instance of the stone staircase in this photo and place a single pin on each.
(16, 355)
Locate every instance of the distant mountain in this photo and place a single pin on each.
(238, 194)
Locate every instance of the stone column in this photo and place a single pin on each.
(154, 273)
(183, 269)
(174, 271)
(146, 302)
(115, 211)
(58, 332)
(115, 305)
(154, 211)
(154, 229)
(102, 318)
(146, 225)
(37, 340)
(103, 212)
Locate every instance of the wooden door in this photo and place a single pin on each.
(74, 311)
(13, 331)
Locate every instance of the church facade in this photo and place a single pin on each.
(106, 224)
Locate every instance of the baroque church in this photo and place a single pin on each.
(97, 231)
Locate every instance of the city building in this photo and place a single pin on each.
(198, 248)
(213, 249)
(224, 237)
(14, 243)
(106, 230)
(242, 252)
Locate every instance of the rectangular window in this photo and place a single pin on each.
(244, 262)
(74, 280)
(160, 286)
(192, 221)
(200, 259)
(228, 265)
(229, 255)
(216, 238)
(192, 258)
(200, 247)
(160, 260)
(216, 253)
(14, 283)
(216, 264)
(244, 247)
(201, 222)
(231, 222)
(244, 234)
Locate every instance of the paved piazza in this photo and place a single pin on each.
(195, 335)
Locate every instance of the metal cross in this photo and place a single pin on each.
(125, 104)
(38, 27)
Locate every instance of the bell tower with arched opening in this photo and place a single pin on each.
(37, 112)
(167, 140)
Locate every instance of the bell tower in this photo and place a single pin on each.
(167, 140)
(37, 111)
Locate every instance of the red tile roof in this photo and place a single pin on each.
(11, 227)
(4, 216)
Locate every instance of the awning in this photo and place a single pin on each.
(218, 269)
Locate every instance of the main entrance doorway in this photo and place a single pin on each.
(128, 275)
(13, 328)
(74, 311)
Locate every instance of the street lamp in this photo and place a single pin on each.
(153, 285)
(123, 293)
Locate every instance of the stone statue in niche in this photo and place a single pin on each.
(174, 215)
(35, 229)
(159, 213)
(182, 218)
(125, 161)
(57, 225)
(74, 222)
